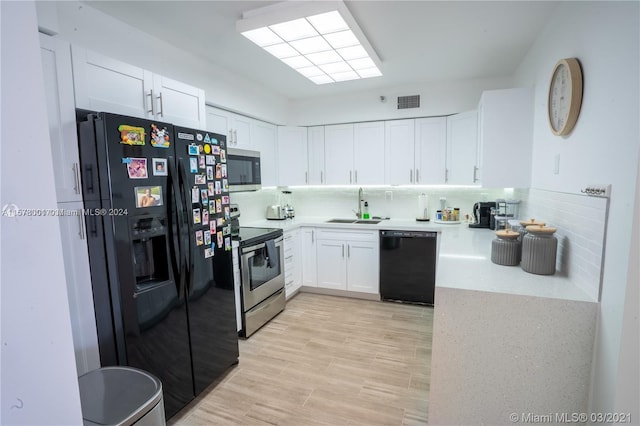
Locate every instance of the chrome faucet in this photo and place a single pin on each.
(360, 200)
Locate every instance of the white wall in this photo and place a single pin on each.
(438, 98)
(39, 382)
(603, 148)
(82, 25)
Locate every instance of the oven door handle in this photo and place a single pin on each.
(246, 250)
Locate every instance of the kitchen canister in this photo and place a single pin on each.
(506, 248)
(524, 223)
(539, 248)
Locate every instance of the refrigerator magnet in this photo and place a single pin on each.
(159, 137)
(196, 216)
(193, 165)
(212, 227)
(131, 135)
(193, 149)
(207, 238)
(224, 170)
(212, 208)
(201, 180)
(225, 185)
(209, 172)
(199, 238)
(218, 171)
(137, 168)
(220, 239)
(218, 187)
(214, 141)
(205, 217)
(215, 150)
(208, 252)
(204, 196)
(195, 194)
(201, 161)
(210, 160)
(148, 196)
(159, 166)
(226, 230)
(210, 189)
(207, 148)
(225, 199)
(199, 137)
(218, 206)
(227, 213)
(220, 221)
(207, 139)
(227, 244)
(223, 156)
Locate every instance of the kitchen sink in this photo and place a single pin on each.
(360, 221)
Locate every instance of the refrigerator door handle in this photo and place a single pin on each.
(176, 248)
(187, 232)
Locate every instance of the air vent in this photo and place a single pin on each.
(412, 101)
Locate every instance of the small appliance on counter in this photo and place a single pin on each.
(234, 219)
(283, 209)
(289, 212)
(275, 212)
(482, 214)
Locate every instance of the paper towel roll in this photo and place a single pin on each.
(423, 207)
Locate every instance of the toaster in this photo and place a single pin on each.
(275, 213)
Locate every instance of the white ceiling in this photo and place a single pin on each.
(417, 41)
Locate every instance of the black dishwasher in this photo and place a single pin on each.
(408, 266)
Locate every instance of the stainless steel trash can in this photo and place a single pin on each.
(121, 396)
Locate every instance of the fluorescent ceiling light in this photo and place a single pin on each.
(304, 34)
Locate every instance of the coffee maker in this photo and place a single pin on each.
(482, 214)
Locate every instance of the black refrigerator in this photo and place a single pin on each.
(156, 201)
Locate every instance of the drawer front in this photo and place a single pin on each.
(347, 234)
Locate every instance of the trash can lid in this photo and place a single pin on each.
(118, 395)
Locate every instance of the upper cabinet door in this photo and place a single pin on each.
(368, 148)
(219, 121)
(105, 84)
(462, 140)
(338, 145)
(292, 156)
(399, 152)
(242, 136)
(58, 84)
(265, 141)
(315, 146)
(178, 103)
(430, 149)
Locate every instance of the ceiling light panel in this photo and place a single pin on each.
(320, 46)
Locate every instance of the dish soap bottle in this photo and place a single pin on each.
(365, 210)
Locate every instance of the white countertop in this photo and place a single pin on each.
(464, 260)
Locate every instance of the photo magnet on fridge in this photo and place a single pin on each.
(227, 244)
(224, 170)
(159, 137)
(201, 180)
(209, 172)
(220, 239)
(205, 217)
(196, 216)
(212, 208)
(208, 252)
(225, 199)
(223, 156)
(212, 227)
(195, 195)
(204, 196)
(159, 166)
(207, 238)
(193, 150)
(131, 135)
(225, 185)
(218, 171)
(218, 206)
(218, 187)
(137, 168)
(201, 161)
(193, 165)
(148, 196)
(215, 149)
(199, 238)
(211, 189)
(210, 160)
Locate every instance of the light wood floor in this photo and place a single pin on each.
(326, 361)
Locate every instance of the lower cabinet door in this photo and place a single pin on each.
(362, 267)
(332, 271)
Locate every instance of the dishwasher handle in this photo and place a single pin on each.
(408, 234)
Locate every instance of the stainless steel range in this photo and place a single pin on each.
(261, 277)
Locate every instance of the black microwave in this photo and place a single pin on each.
(243, 170)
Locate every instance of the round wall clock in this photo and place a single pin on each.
(565, 96)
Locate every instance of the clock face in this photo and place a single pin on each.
(565, 96)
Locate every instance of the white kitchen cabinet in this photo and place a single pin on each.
(400, 151)
(105, 84)
(316, 159)
(58, 82)
(430, 150)
(292, 156)
(505, 130)
(462, 141)
(348, 260)
(265, 141)
(79, 290)
(338, 146)
(308, 261)
(368, 153)
(292, 260)
(236, 127)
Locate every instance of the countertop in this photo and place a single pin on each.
(464, 260)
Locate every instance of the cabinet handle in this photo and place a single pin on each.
(411, 175)
(321, 177)
(151, 102)
(235, 136)
(81, 231)
(312, 236)
(348, 251)
(350, 174)
(356, 176)
(343, 251)
(475, 174)
(161, 107)
(230, 141)
(76, 178)
(417, 175)
(446, 175)
(306, 177)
